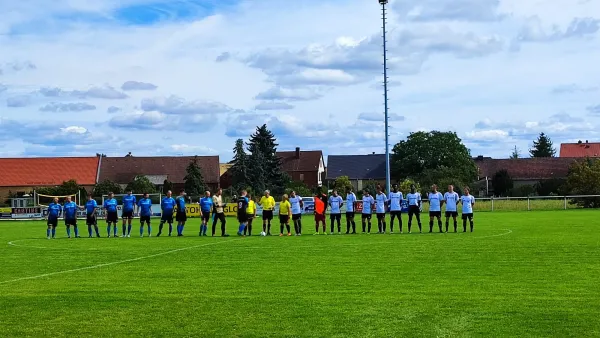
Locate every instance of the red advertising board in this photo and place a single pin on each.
(359, 206)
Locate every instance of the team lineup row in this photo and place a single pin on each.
(290, 207)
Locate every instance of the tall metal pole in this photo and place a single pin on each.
(385, 95)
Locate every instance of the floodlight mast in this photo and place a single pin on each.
(385, 98)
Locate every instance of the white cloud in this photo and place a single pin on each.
(135, 85)
(67, 107)
(273, 105)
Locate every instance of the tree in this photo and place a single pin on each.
(502, 182)
(428, 157)
(515, 154)
(542, 147)
(66, 188)
(239, 167)
(300, 188)
(342, 183)
(404, 186)
(264, 162)
(194, 181)
(106, 186)
(549, 187)
(167, 185)
(584, 179)
(141, 185)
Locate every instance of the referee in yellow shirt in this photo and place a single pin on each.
(267, 202)
(251, 212)
(285, 210)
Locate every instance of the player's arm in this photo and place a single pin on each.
(472, 201)
(442, 200)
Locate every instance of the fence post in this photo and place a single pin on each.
(565, 202)
(528, 204)
(492, 203)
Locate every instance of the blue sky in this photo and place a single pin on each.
(188, 77)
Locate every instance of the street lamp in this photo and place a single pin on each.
(385, 98)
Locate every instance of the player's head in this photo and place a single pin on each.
(146, 195)
(413, 188)
(55, 200)
(366, 192)
(249, 196)
(434, 188)
(207, 193)
(395, 187)
(450, 188)
(293, 194)
(181, 192)
(348, 190)
(68, 199)
(267, 193)
(129, 192)
(378, 189)
(219, 192)
(169, 193)
(319, 190)
(335, 193)
(244, 193)
(90, 197)
(111, 194)
(285, 197)
(466, 190)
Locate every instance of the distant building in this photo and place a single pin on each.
(360, 169)
(580, 149)
(304, 166)
(123, 170)
(23, 175)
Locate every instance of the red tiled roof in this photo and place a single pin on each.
(527, 168)
(580, 150)
(38, 172)
(123, 170)
(307, 161)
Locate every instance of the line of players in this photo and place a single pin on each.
(380, 204)
(290, 207)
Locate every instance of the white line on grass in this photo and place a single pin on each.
(114, 263)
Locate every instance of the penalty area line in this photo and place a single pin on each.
(113, 263)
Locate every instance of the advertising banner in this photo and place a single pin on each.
(24, 213)
(5, 212)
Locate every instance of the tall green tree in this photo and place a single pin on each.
(584, 179)
(515, 153)
(542, 147)
(239, 167)
(264, 161)
(429, 157)
(141, 185)
(502, 182)
(106, 186)
(194, 181)
(342, 183)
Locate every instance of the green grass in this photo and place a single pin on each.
(519, 274)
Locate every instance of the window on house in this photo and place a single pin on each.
(319, 178)
(302, 177)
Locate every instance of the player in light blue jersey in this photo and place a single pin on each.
(145, 209)
(335, 215)
(467, 201)
(414, 207)
(395, 205)
(436, 200)
(380, 203)
(70, 215)
(368, 203)
(181, 216)
(129, 203)
(350, 210)
(111, 216)
(451, 200)
(90, 216)
(167, 206)
(297, 206)
(54, 211)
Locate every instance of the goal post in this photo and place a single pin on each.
(42, 200)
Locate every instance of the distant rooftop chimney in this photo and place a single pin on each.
(297, 152)
(579, 142)
(129, 154)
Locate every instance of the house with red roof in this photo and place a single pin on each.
(23, 175)
(580, 149)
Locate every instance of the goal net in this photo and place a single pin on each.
(45, 200)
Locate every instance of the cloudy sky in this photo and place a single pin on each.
(170, 77)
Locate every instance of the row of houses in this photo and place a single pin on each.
(21, 175)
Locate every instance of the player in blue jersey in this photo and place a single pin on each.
(381, 202)
(90, 216)
(436, 200)
(70, 215)
(335, 215)
(129, 203)
(181, 216)
(242, 215)
(451, 200)
(414, 207)
(54, 212)
(350, 210)
(111, 216)
(395, 205)
(368, 205)
(167, 205)
(145, 210)
(206, 205)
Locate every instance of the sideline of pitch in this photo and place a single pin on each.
(115, 263)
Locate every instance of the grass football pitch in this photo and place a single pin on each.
(519, 274)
